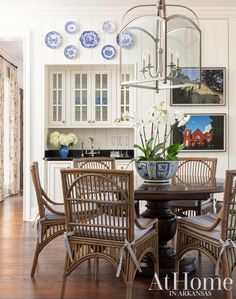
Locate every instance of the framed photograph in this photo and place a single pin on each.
(211, 92)
(203, 132)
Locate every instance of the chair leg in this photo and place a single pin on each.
(96, 266)
(35, 260)
(177, 268)
(63, 287)
(136, 207)
(129, 286)
(225, 270)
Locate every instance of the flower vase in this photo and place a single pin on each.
(156, 171)
(63, 151)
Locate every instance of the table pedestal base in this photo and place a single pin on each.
(167, 223)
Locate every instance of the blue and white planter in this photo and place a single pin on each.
(63, 151)
(156, 171)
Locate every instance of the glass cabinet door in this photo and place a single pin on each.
(80, 97)
(102, 97)
(57, 98)
(125, 96)
(125, 100)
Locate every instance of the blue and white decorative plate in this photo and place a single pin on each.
(71, 52)
(128, 40)
(53, 39)
(89, 39)
(108, 52)
(109, 26)
(71, 27)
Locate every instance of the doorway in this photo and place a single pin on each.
(12, 54)
(21, 139)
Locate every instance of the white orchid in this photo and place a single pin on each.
(160, 119)
(140, 127)
(124, 117)
(183, 120)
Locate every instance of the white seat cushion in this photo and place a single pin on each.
(205, 221)
(112, 233)
(189, 203)
(52, 216)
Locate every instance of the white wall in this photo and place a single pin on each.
(103, 138)
(219, 48)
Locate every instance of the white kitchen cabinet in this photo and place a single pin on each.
(125, 102)
(124, 164)
(57, 98)
(87, 97)
(53, 178)
(81, 98)
(91, 94)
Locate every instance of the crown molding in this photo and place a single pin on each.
(112, 12)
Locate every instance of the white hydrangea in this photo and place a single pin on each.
(56, 139)
(72, 139)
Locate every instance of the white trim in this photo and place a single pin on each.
(112, 11)
(26, 111)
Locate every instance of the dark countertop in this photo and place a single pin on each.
(53, 155)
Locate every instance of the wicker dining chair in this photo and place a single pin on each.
(101, 223)
(95, 163)
(51, 222)
(206, 234)
(194, 170)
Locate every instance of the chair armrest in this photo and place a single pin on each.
(145, 223)
(50, 200)
(205, 228)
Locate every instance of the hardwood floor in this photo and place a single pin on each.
(17, 242)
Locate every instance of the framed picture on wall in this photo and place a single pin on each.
(203, 132)
(211, 92)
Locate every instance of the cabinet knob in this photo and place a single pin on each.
(63, 121)
(89, 121)
(93, 121)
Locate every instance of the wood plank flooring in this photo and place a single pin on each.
(17, 242)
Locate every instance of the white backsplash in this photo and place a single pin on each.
(121, 138)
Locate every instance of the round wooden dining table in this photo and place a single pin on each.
(159, 197)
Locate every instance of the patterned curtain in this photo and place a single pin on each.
(1, 128)
(14, 133)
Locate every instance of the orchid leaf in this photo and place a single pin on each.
(173, 150)
(140, 148)
(157, 148)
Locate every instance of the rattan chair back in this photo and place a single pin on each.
(194, 170)
(99, 204)
(95, 163)
(42, 199)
